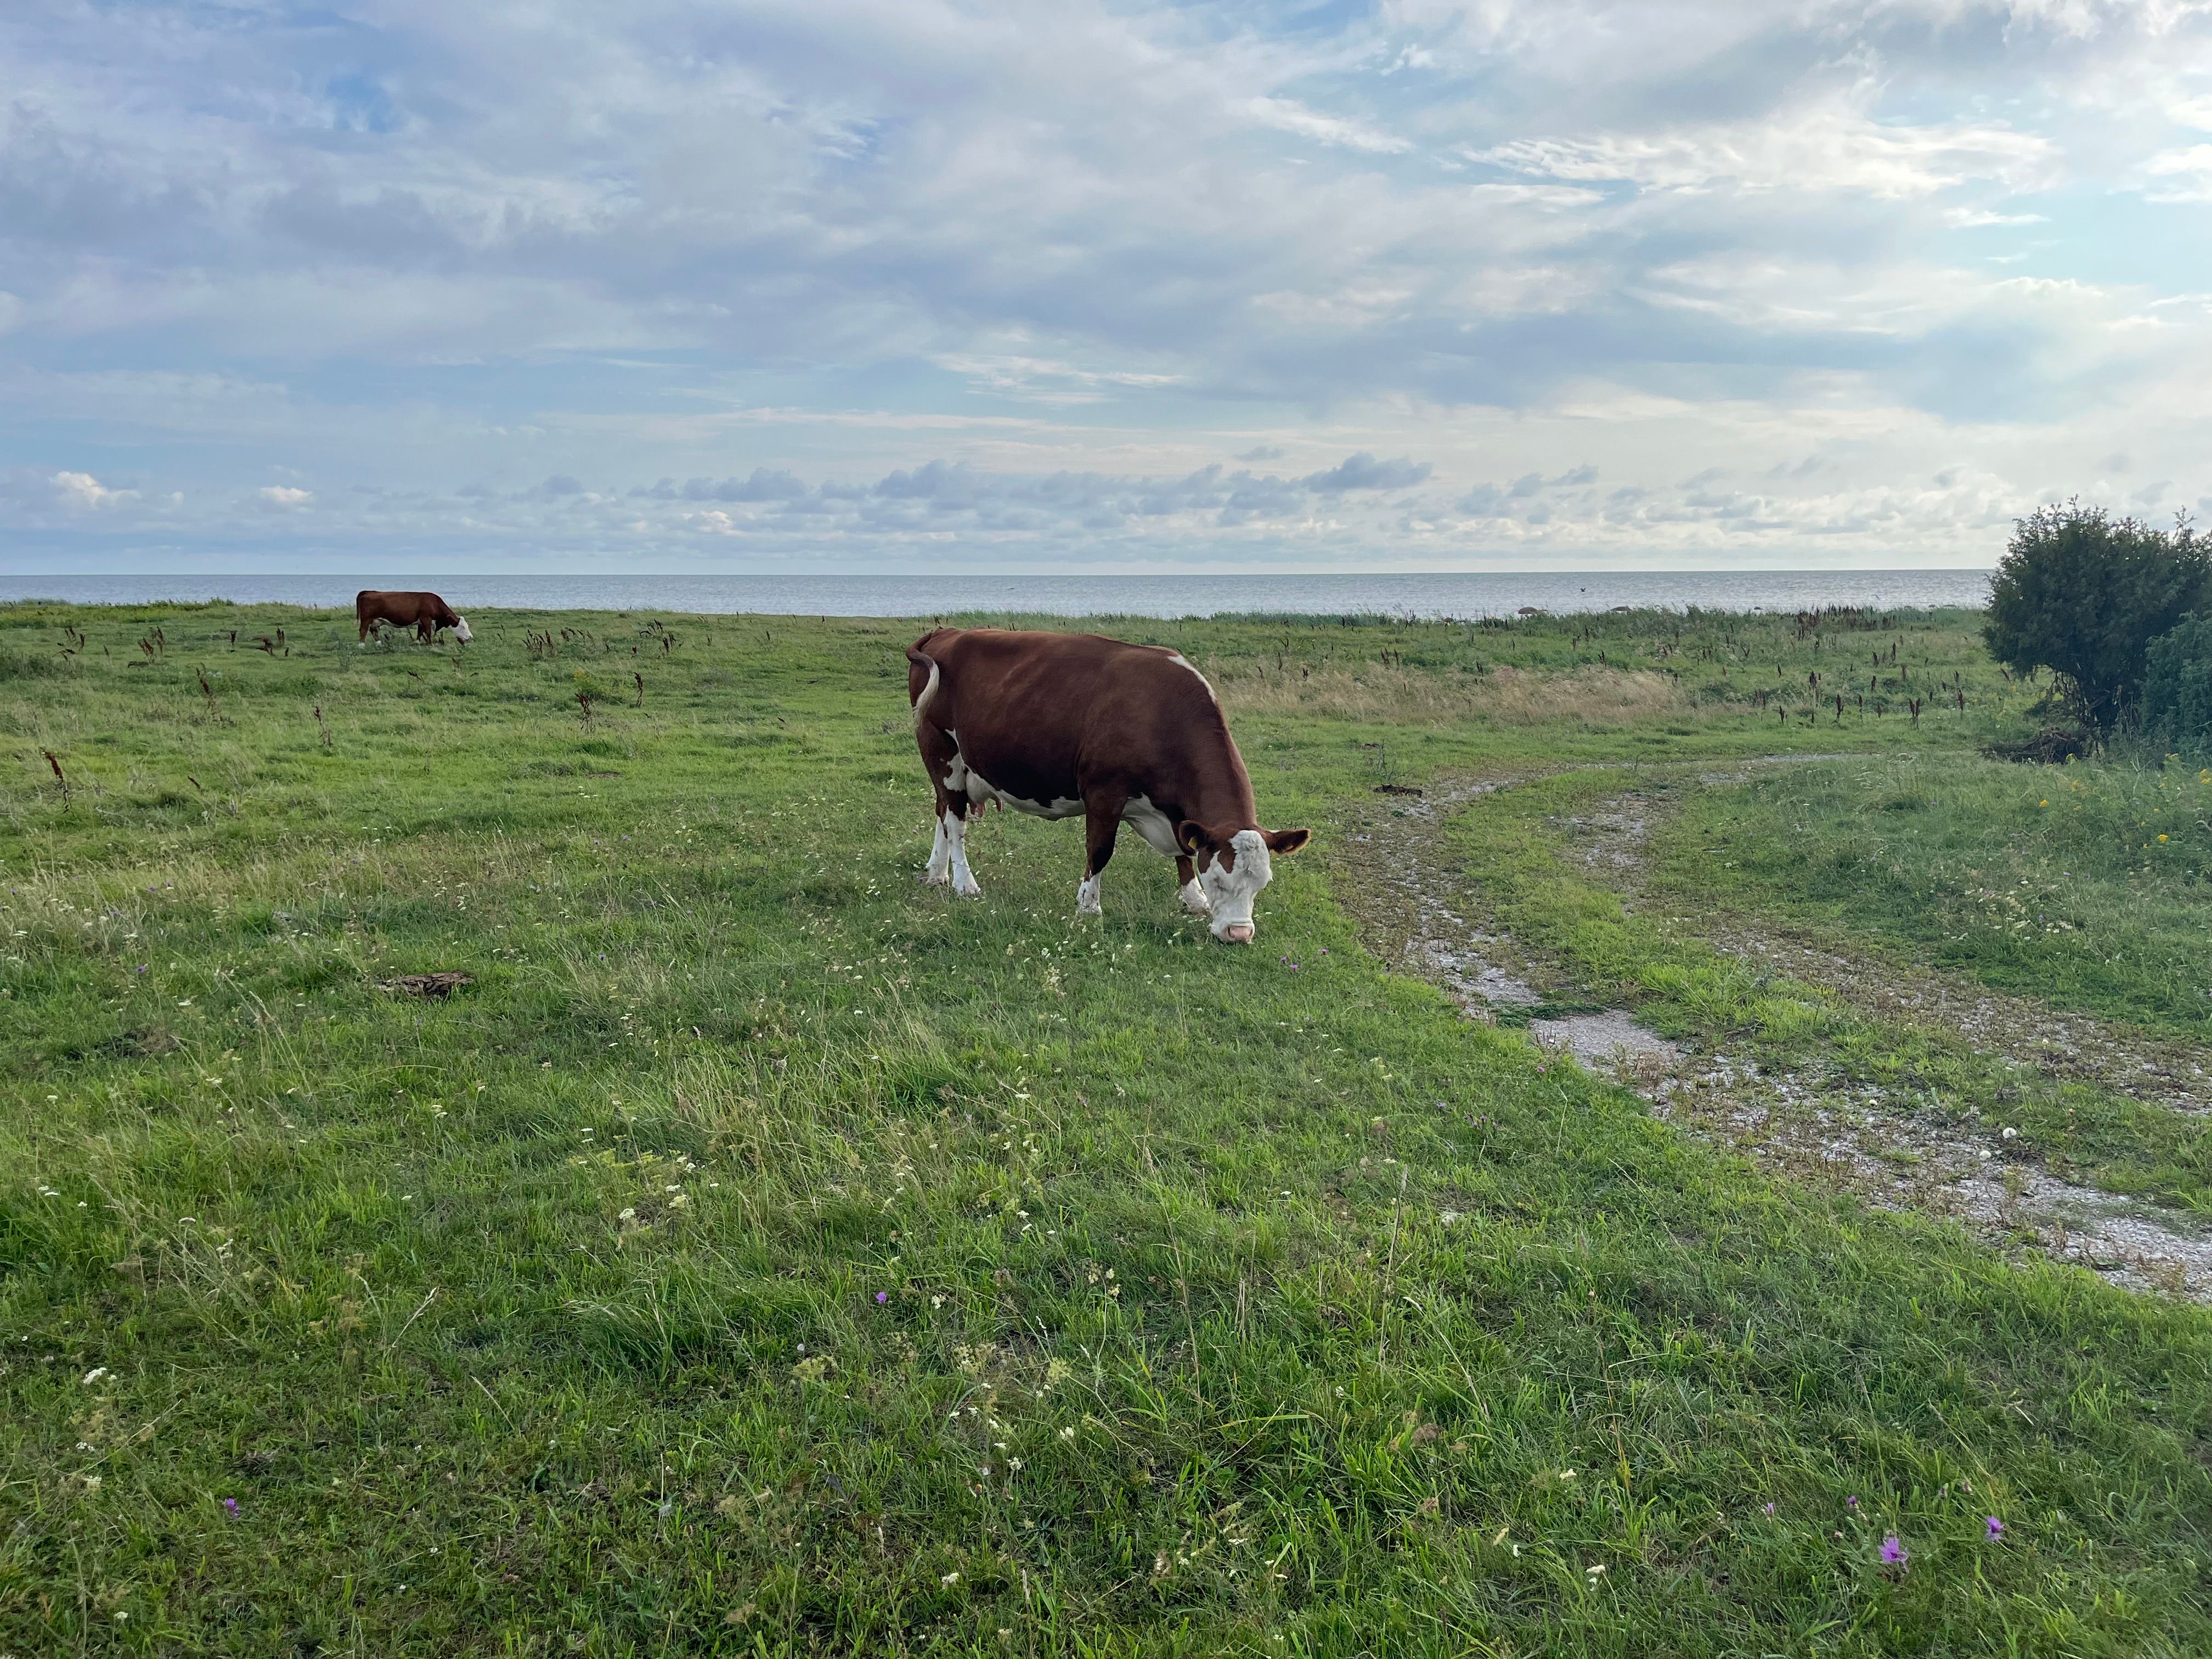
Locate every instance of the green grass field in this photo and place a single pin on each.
(2089, 884)
(766, 1255)
(1655, 958)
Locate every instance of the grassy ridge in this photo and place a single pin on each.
(1516, 846)
(763, 1256)
(2090, 885)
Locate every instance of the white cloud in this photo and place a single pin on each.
(1548, 196)
(1287, 116)
(1049, 380)
(853, 276)
(1363, 471)
(2183, 174)
(1975, 218)
(1832, 144)
(81, 489)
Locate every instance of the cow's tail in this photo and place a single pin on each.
(936, 676)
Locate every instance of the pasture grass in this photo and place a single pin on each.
(2089, 884)
(765, 1256)
(1518, 848)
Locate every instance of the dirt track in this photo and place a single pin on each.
(1841, 1133)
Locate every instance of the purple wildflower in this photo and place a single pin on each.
(1995, 1526)
(1893, 1551)
(1770, 1509)
(881, 1296)
(1850, 1503)
(230, 1508)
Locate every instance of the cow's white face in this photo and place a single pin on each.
(1231, 880)
(461, 630)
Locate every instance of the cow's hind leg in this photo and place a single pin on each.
(1188, 890)
(1102, 819)
(938, 870)
(948, 851)
(955, 820)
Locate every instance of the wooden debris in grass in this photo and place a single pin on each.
(426, 985)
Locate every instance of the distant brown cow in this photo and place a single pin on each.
(426, 613)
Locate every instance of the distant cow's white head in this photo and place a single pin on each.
(461, 629)
(1233, 866)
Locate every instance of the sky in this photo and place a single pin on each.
(708, 286)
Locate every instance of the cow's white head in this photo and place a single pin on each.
(1233, 866)
(461, 629)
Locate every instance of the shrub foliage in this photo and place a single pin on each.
(2083, 594)
(2176, 702)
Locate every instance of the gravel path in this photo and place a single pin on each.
(1837, 1132)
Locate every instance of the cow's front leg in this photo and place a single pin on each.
(1102, 819)
(1192, 895)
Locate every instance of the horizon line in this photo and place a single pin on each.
(1031, 576)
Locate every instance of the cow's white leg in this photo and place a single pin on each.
(1086, 897)
(937, 872)
(964, 880)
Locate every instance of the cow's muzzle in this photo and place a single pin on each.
(1237, 933)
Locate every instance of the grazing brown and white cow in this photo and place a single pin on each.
(1060, 724)
(426, 613)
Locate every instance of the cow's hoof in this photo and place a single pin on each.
(971, 890)
(938, 879)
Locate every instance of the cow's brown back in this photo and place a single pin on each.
(1058, 725)
(424, 613)
(1055, 716)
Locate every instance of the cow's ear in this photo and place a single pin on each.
(1287, 841)
(1191, 835)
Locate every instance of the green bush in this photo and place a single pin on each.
(2083, 594)
(32, 666)
(2177, 701)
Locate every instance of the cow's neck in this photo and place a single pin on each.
(1225, 794)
